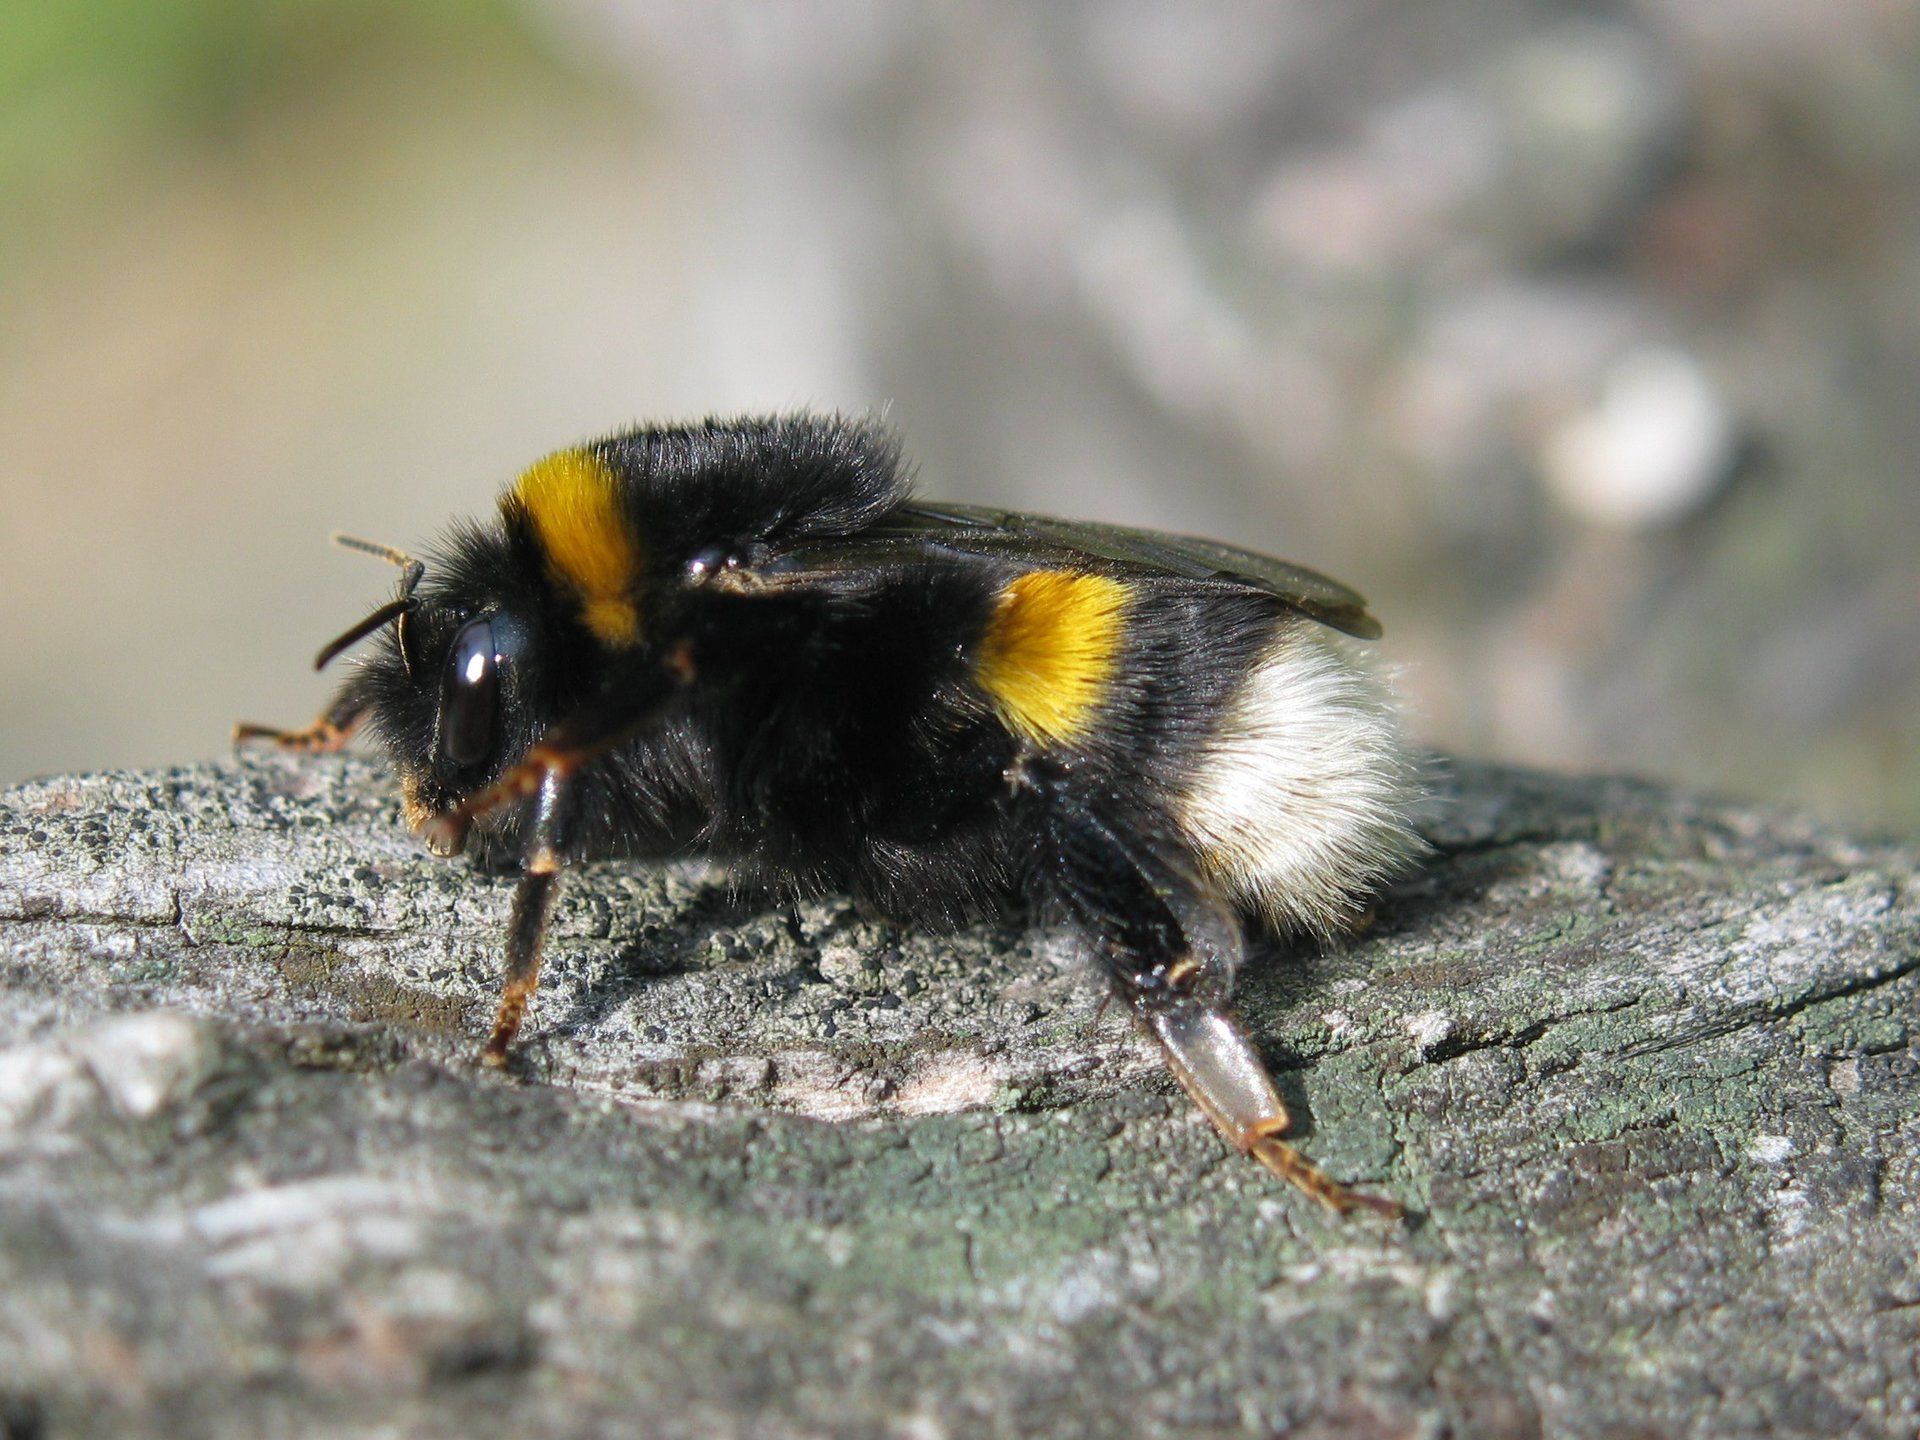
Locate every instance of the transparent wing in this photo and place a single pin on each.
(933, 526)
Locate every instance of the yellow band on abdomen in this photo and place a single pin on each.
(1050, 651)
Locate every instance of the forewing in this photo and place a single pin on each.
(1114, 549)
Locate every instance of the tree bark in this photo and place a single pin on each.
(1644, 1066)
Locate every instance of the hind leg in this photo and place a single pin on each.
(1170, 947)
(1217, 1065)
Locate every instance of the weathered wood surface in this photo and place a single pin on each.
(1645, 1066)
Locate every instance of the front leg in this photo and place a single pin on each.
(550, 775)
(532, 908)
(1170, 947)
(557, 756)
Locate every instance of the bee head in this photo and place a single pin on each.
(460, 679)
(605, 563)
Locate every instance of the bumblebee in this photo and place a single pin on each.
(744, 640)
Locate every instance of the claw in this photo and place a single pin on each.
(447, 834)
(1217, 1065)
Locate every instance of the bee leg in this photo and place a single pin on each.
(532, 907)
(325, 736)
(1170, 946)
(557, 755)
(527, 927)
(1215, 1063)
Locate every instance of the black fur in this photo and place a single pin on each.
(834, 739)
(743, 484)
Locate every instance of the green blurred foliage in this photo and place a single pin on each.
(89, 89)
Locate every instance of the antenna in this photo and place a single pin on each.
(394, 610)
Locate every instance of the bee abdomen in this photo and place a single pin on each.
(1299, 798)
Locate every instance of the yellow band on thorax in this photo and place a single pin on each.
(573, 500)
(1050, 651)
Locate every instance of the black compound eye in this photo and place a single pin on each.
(470, 695)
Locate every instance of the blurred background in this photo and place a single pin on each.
(1585, 340)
